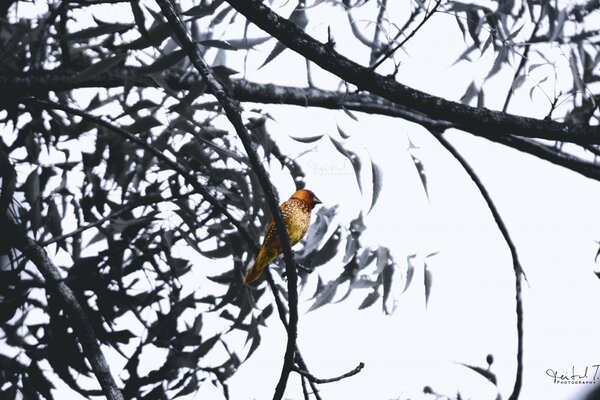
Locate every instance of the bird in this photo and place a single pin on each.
(296, 213)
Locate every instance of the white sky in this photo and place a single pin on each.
(549, 211)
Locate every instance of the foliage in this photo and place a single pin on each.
(123, 223)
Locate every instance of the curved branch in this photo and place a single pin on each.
(234, 115)
(81, 323)
(494, 122)
(311, 378)
(517, 268)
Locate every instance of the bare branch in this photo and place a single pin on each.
(311, 378)
(517, 268)
(310, 97)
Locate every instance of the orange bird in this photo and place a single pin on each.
(296, 213)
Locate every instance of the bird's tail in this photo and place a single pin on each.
(260, 264)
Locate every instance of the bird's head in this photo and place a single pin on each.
(308, 197)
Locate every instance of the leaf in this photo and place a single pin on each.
(350, 114)
(299, 18)
(486, 44)
(383, 258)
(558, 29)
(156, 35)
(310, 139)
(223, 71)
(490, 376)
(536, 66)
(428, 281)
(377, 176)
(518, 81)
(328, 251)
(245, 43)
(369, 300)
(144, 124)
(96, 31)
(220, 44)
(352, 157)
(470, 93)
(515, 33)
(97, 68)
(422, 175)
(324, 295)
(500, 58)
(32, 187)
(199, 11)
(575, 72)
(164, 62)
(343, 134)
(410, 270)
(387, 275)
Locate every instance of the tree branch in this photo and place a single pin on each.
(494, 122)
(81, 323)
(44, 81)
(517, 268)
(234, 115)
(311, 378)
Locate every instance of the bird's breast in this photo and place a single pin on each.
(297, 216)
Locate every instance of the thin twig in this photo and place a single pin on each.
(329, 380)
(304, 388)
(406, 39)
(234, 115)
(517, 268)
(281, 310)
(375, 48)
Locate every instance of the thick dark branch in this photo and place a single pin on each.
(81, 323)
(517, 268)
(493, 122)
(234, 115)
(44, 81)
(311, 378)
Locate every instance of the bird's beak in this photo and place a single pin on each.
(316, 200)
